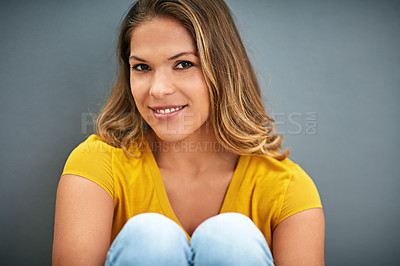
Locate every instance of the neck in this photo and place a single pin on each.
(194, 155)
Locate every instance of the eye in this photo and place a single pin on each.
(141, 67)
(184, 65)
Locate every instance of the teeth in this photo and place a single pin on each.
(167, 111)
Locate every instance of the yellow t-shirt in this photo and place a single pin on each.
(262, 188)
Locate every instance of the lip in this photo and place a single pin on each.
(169, 115)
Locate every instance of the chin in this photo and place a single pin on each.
(177, 135)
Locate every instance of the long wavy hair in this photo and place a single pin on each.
(237, 113)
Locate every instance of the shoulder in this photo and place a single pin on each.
(284, 175)
(93, 160)
(100, 162)
(268, 167)
(92, 151)
(95, 149)
(285, 183)
(94, 144)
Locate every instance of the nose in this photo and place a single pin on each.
(161, 85)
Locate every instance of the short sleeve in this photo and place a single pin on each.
(92, 159)
(301, 194)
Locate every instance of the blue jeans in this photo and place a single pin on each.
(153, 239)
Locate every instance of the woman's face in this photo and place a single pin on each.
(166, 80)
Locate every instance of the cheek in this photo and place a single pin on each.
(138, 92)
(195, 84)
(203, 96)
(198, 93)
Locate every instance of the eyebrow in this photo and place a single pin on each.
(169, 59)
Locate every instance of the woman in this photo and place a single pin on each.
(185, 167)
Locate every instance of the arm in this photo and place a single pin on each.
(299, 239)
(83, 220)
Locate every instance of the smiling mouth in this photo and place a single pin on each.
(162, 110)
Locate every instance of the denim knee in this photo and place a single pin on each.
(150, 239)
(230, 239)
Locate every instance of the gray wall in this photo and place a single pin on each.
(330, 72)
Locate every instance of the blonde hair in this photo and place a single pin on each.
(236, 109)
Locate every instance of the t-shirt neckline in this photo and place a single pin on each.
(161, 192)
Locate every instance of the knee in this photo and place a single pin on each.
(231, 218)
(145, 220)
(153, 227)
(149, 237)
(229, 225)
(230, 239)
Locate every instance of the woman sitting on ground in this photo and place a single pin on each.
(185, 167)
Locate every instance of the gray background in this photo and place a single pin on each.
(330, 73)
